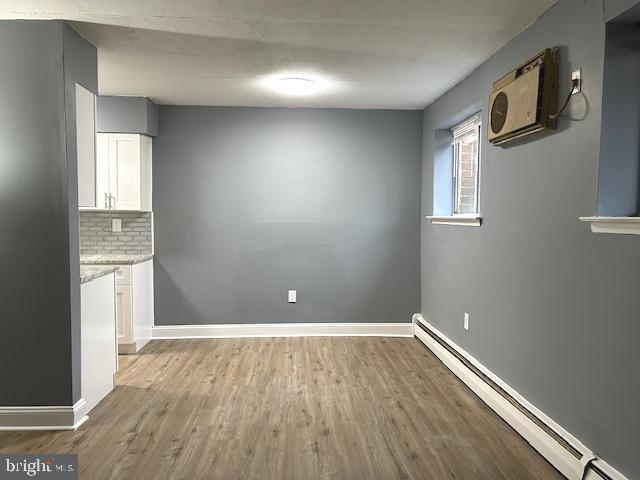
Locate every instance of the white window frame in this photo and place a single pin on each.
(474, 122)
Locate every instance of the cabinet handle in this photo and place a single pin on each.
(106, 201)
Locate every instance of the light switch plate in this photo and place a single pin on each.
(116, 225)
(466, 321)
(292, 296)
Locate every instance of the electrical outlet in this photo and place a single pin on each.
(292, 295)
(577, 75)
(466, 321)
(116, 225)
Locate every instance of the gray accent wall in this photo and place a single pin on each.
(251, 202)
(40, 279)
(553, 307)
(126, 115)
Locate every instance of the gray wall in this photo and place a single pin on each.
(126, 115)
(39, 282)
(250, 202)
(554, 308)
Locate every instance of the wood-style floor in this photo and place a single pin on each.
(290, 408)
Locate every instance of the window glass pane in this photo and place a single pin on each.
(466, 156)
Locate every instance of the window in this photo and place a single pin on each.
(465, 147)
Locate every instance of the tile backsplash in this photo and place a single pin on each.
(96, 236)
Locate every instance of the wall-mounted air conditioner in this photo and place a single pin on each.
(523, 101)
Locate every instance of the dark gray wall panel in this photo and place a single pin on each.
(553, 307)
(40, 281)
(251, 202)
(35, 345)
(80, 66)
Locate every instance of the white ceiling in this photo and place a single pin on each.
(366, 53)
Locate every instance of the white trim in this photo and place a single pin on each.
(285, 330)
(545, 444)
(44, 417)
(464, 220)
(619, 225)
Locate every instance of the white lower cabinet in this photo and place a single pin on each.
(134, 306)
(124, 315)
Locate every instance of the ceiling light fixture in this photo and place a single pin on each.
(297, 86)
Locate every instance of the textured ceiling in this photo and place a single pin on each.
(365, 53)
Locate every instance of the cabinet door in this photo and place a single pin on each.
(123, 313)
(86, 146)
(102, 170)
(124, 171)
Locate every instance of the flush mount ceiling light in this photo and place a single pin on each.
(297, 86)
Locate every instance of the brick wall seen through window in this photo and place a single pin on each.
(466, 165)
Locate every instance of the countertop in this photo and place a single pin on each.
(91, 272)
(114, 259)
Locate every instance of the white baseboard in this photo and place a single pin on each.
(285, 330)
(43, 417)
(133, 347)
(539, 438)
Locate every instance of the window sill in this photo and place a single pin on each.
(619, 225)
(463, 220)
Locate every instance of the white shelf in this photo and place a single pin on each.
(110, 210)
(618, 225)
(463, 220)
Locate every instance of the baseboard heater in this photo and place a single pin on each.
(567, 454)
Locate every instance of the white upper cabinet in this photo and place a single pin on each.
(86, 146)
(123, 171)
